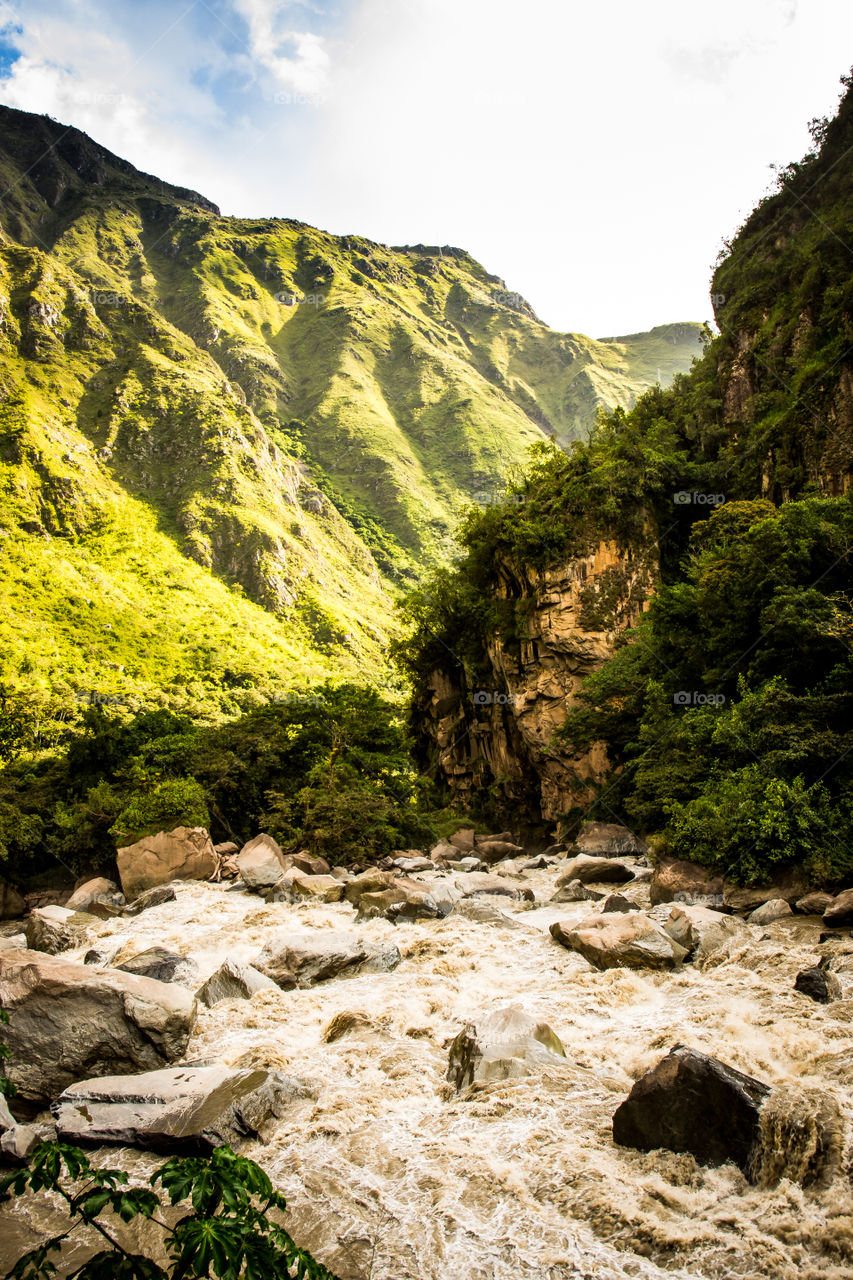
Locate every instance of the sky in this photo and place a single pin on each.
(595, 156)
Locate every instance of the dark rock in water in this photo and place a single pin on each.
(829, 935)
(813, 904)
(302, 959)
(818, 984)
(151, 898)
(157, 962)
(594, 871)
(691, 1102)
(616, 902)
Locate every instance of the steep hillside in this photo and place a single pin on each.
(640, 631)
(254, 413)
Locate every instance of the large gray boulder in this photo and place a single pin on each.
(703, 931)
(234, 981)
(181, 1109)
(371, 881)
(53, 929)
(186, 853)
(162, 964)
(613, 941)
(156, 897)
(319, 888)
(502, 1045)
(768, 912)
(70, 1021)
(95, 893)
(476, 882)
(261, 863)
(407, 900)
(609, 840)
(303, 959)
(594, 871)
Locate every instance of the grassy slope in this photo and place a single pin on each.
(251, 408)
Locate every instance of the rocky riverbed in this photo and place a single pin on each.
(393, 1174)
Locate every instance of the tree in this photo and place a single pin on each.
(231, 1229)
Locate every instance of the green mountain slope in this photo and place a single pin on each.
(232, 440)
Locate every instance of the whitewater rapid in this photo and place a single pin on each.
(391, 1176)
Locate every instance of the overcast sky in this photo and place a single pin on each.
(594, 155)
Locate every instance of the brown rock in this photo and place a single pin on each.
(463, 839)
(674, 880)
(594, 871)
(303, 959)
(840, 910)
(312, 866)
(775, 909)
(370, 881)
(70, 1021)
(813, 904)
(609, 840)
(317, 888)
(501, 1046)
(261, 863)
(55, 929)
(183, 854)
(614, 941)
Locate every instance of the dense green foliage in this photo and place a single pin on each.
(717, 486)
(327, 769)
(230, 1227)
(728, 712)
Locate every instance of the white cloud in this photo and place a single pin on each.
(297, 59)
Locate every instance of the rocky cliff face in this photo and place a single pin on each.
(494, 728)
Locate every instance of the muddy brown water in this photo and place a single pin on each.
(391, 1176)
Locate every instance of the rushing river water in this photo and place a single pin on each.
(391, 1176)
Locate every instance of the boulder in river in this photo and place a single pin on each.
(813, 904)
(674, 880)
(613, 941)
(261, 863)
(155, 897)
(768, 912)
(616, 902)
(54, 929)
(609, 840)
(407, 900)
(692, 1102)
(311, 864)
(186, 853)
(234, 981)
(371, 881)
(463, 839)
(703, 931)
(818, 984)
(501, 1046)
(70, 1021)
(94, 893)
(594, 871)
(840, 910)
(181, 1109)
(486, 913)
(160, 963)
(319, 888)
(575, 891)
(303, 959)
(475, 882)
(496, 850)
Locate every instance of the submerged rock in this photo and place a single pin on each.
(576, 891)
(613, 941)
(70, 1021)
(692, 1102)
(500, 1046)
(303, 959)
(184, 1109)
(234, 981)
(186, 853)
